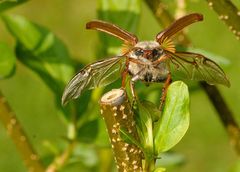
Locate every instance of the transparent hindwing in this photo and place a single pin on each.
(97, 74)
(193, 66)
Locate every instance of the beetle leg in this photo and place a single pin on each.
(136, 61)
(124, 74)
(134, 96)
(132, 84)
(133, 90)
(164, 91)
(162, 58)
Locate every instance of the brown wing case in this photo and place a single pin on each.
(113, 30)
(177, 26)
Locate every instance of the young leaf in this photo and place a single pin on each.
(144, 123)
(7, 60)
(127, 137)
(153, 110)
(7, 4)
(87, 133)
(174, 122)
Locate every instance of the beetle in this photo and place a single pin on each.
(147, 61)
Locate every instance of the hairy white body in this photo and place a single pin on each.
(143, 68)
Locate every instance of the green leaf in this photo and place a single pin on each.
(40, 50)
(124, 14)
(153, 110)
(174, 122)
(7, 4)
(144, 125)
(87, 133)
(127, 137)
(7, 60)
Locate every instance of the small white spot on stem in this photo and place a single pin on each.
(124, 149)
(210, 4)
(122, 108)
(133, 123)
(33, 157)
(13, 121)
(135, 167)
(136, 151)
(226, 17)
(221, 17)
(114, 131)
(124, 164)
(22, 138)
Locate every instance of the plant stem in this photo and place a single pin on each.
(217, 100)
(224, 114)
(60, 160)
(149, 165)
(164, 18)
(22, 143)
(228, 13)
(117, 113)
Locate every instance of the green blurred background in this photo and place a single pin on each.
(205, 147)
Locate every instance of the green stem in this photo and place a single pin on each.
(228, 13)
(164, 17)
(17, 134)
(117, 113)
(149, 165)
(60, 160)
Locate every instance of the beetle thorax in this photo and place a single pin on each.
(143, 67)
(147, 45)
(146, 51)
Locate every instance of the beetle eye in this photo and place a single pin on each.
(138, 52)
(155, 53)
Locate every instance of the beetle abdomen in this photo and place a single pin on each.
(148, 73)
